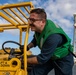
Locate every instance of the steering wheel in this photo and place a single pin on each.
(11, 49)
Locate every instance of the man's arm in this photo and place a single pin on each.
(32, 60)
(32, 43)
(47, 50)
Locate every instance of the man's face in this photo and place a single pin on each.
(35, 22)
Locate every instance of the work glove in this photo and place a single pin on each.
(22, 47)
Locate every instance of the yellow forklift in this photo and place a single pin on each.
(13, 61)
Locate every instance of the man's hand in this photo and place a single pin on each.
(32, 60)
(22, 47)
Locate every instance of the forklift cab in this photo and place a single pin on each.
(13, 61)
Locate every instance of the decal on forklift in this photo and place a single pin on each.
(4, 64)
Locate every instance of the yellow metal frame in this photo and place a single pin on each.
(15, 22)
(7, 12)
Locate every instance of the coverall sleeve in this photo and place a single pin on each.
(34, 41)
(48, 48)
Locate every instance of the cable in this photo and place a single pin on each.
(72, 53)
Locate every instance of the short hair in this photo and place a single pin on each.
(41, 12)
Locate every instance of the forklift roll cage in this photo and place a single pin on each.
(16, 16)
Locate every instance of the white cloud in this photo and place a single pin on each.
(68, 6)
(6, 3)
(58, 11)
(37, 2)
(63, 7)
(13, 31)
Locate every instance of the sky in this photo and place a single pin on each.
(60, 11)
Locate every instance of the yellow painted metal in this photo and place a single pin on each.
(22, 4)
(20, 72)
(1, 29)
(27, 9)
(4, 57)
(25, 51)
(20, 36)
(8, 65)
(22, 13)
(11, 15)
(14, 20)
(9, 20)
(18, 16)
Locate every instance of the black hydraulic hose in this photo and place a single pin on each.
(72, 53)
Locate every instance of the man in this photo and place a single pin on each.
(53, 43)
